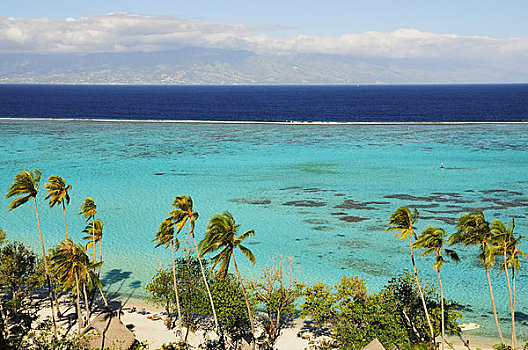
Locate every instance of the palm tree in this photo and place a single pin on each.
(432, 240)
(58, 194)
(504, 243)
(402, 220)
(89, 209)
(95, 235)
(69, 263)
(165, 236)
(221, 234)
(513, 262)
(25, 185)
(473, 229)
(184, 212)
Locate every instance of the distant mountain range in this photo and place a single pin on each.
(231, 67)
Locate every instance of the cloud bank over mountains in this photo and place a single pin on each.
(133, 33)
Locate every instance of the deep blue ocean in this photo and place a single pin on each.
(404, 103)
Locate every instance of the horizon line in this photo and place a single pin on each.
(256, 122)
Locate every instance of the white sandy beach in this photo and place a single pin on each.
(155, 334)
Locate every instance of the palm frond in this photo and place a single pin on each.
(247, 253)
(25, 184)
(246, 235)
(452, 255)
(88, 208)
(15, 203)
(57, 190)
(402, 220)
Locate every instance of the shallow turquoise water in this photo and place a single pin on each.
(293, 184)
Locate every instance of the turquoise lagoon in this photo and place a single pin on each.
(320, 193)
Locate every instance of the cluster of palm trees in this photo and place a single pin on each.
(70, 267)
(221, 235)
(493, 240)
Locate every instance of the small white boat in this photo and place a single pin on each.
(468, 326)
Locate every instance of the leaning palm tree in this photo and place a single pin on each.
(473, 229)
(402, 221)
(166, 237)
(89, 278)
(504, 242)
(25, 186)
(221, 234)
(95, 235)
(58, 194)
(432, 240)
(184, 212)
(514, 264)
(69, 262)
(88, 210)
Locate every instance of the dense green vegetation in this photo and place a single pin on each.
(203, 294)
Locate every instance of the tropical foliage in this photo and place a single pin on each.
(276, 292)
(72, 267)
(402, 221)
(25, 187)
(88, 210)
(473, 229)
(433, 240)
(221, 234)
(394, 315)
(58, 193)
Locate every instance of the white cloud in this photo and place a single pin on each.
(121, 32)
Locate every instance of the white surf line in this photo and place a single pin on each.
(257, 122)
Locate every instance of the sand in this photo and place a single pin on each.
(155, 334)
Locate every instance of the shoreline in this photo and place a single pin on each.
(155, 334)
(256, 122)
(289, 339)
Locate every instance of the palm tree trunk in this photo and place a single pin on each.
(206, 284)
(47, 270)
(65, 224)
(86, 304)
(100, 253)
(442, 307)
(513, 301)
(56, 301)
(93, 237)
(180, 321)
(420, 290)
(493, 305)
(513, 340)
(247, 304)
(103, 296)
(78, 303)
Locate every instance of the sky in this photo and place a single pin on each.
(472, 31)
(494, 18)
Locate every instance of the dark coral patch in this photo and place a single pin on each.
(252, 200)
(366, 266)
(351, 218)
(357, 244)
(305, 203)
(316, 221)
(322, 228)
(352, 204)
